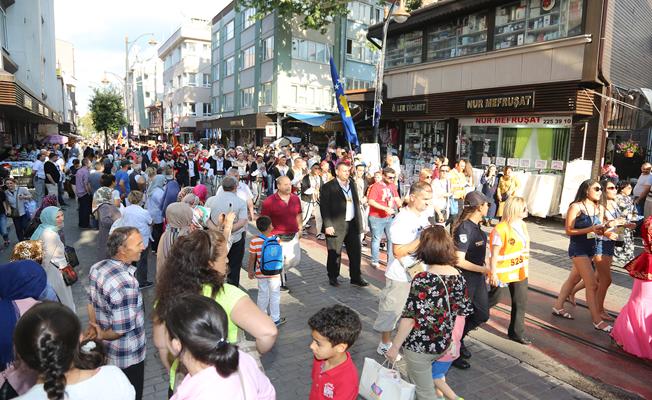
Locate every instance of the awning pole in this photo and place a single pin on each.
(586, 127)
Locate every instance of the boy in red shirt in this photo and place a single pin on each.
(334, 376)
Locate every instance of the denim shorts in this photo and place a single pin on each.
(605, 248)
(440, 368)
(581, 248)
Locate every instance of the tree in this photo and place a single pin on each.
(85, 126)
(107, 111)
(317, 14)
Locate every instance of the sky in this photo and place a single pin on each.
(97, 29)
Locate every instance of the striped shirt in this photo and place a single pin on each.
(256, 250)
(118, 305)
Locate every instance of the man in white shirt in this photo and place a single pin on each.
(39, 175)
(405, 231)
(642, 188)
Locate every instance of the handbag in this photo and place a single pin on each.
(71, 256)
(69, 275)
(14, 213)
(380, 383)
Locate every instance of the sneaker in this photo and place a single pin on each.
(284, 288)
(321, 236)
(375, 264)
(384, 347)
(280, 321)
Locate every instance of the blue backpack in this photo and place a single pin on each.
(271, 256)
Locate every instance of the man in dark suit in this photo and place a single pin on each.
(340, 210)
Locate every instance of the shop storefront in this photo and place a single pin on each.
(243, 130)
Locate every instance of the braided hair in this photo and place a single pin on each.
(46, 338)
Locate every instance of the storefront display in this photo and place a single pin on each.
(424, 140)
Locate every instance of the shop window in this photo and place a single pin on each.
(423, 141)
(467, 35)
(534, 21)
(404, 49)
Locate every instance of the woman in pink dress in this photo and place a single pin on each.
(632, 329)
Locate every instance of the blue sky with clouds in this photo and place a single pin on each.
(97, 29)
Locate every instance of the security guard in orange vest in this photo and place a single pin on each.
(510, 246)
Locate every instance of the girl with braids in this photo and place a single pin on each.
(471, 245)
(197, 265)
(47, 340)
(197, 330)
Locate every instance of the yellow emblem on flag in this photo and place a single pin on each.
(345, 105)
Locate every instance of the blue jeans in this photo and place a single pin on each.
(270, 184)
(377, 227)
(3, 227)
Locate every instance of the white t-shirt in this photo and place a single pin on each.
(406, 228)
(109, 383)
(243, 192)
(643, 180)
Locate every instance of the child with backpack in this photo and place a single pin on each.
(266, 264)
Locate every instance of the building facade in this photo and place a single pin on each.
(269, 76)
(186, 57)
(65, 53)
(146, 90)
(28, 80)
(519, 83)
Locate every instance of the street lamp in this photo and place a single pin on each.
(128, 44)
(399, 15)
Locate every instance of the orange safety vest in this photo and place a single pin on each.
(513, 257)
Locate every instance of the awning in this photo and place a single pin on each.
(314, 119)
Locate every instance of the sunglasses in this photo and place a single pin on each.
(444, 170)
(611, 188)
(597, 189)
(390, 176)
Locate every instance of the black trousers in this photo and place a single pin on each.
(157, 232)
(84, 208)
(141, 266)
(136, 375)
(235, 261)
(518, 292)
(479, 295)
(20, 223)
(353, 250)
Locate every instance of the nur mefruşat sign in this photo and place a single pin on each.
(501, 102)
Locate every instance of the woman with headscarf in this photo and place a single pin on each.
(201, 191)
(54, 253)
(170, 193)
(179, 217)
(49, 200)
(32, 250)
(106, 213)
(153, 205)
(22, 285)
(185, 191)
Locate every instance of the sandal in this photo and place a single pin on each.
(606, 329)
(561, 313)
(606, 317)
(571, 299)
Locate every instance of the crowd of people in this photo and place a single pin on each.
(453, 247)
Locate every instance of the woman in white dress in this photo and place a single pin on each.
(54, 253)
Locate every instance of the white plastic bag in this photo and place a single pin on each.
(380, 383)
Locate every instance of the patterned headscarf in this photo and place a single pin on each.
(28, 250)
(184, 192)
(191, 199)
(200, 215)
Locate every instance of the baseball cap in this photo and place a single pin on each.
(474, 199)
(125, 162)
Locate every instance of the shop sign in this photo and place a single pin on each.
(524, 163)
(557, 164)
(27, 102)
(510, 101)
(238, 122)
(500, 161)
(486, 160)
(541, 164)
(530, 121)
(409, 106)
(270, 130)
(512, 162)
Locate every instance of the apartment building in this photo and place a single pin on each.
(28, 80)
(65, 53)
(147, 89)
(269, 77)
(186, 57)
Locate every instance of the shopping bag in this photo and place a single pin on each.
(380, 383)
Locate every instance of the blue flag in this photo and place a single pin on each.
(343, 107)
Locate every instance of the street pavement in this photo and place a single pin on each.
(494, 373)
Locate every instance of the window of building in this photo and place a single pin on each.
(147, 94)
(309, 51)
(229, 30)
(531, 21)
(192, 79)
(216, 39)
(179, 83)
(214, 105)
(248, 57)
(191, 110)
(356, 84)
(265, 95)
(178, 113)
(404, 49)
(248, 17)
(206, 81)
(464, 36)
(3, 29)
(171, 84)
(216, 72)
(229, 65)
(268, 48)
(247, 97)
(206, 109)
(361, 12)
(227, 102)
(206, 48)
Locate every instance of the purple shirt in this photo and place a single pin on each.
(81, 181)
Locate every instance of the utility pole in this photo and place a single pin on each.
(127, 84)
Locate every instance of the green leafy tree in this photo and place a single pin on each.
(85, 126)
(107, 111)
(317, 14)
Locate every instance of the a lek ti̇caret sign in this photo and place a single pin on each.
(501, 102)
(401, 107)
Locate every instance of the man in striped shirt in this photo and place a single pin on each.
(269, 286)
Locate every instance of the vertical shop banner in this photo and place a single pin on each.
(343, 106)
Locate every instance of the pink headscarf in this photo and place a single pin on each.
(201, 191)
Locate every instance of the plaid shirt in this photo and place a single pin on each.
(115, 296)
